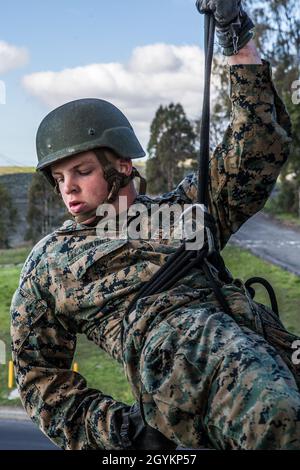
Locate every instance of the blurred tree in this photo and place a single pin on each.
(171, 148)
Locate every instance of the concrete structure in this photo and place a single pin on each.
(17, 185)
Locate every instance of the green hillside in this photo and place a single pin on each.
(8, 170)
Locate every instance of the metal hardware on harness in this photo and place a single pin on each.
(208, 232)
(210, 240)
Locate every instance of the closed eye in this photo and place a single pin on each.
(60, 179)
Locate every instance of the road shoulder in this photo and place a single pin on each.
(14, 413)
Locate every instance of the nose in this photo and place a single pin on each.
(70, 185)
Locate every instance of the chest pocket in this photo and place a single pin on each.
(85, 256)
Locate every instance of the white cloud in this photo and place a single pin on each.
(155, 74)
(12, 57)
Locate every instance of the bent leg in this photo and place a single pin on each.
(253, 401)
(207, 380)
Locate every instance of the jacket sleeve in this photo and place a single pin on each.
(56, 398)
(245, 166)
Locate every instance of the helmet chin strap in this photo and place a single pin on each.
(84, 216)
(115, 179)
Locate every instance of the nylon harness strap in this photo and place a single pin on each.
(115, 179)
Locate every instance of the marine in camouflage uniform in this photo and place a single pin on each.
(203, 377)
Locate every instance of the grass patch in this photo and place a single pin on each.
(244, 265)
(106, 375)
(9, 278)
(101, 371)
(14, 255)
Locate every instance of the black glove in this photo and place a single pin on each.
(233, 25)
(132, 433)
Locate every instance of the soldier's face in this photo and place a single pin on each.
(81, 182)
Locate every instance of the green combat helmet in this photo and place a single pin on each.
(88, 124)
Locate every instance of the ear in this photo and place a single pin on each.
(124, 166)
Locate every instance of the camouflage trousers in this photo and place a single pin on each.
(205, 378)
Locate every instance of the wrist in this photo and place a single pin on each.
(247, 55)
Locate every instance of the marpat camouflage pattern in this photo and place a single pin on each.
(204, 378)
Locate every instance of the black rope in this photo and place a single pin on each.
(182, 261)
(269, 289)
(209, 28)
(191, 259)
(144, 291)
(218, 293)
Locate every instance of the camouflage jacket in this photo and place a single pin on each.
(75, 282)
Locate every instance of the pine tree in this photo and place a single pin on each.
(171, 148)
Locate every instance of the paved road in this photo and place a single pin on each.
(271, 241)
(22, 435)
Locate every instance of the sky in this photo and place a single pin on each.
(137, 54)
